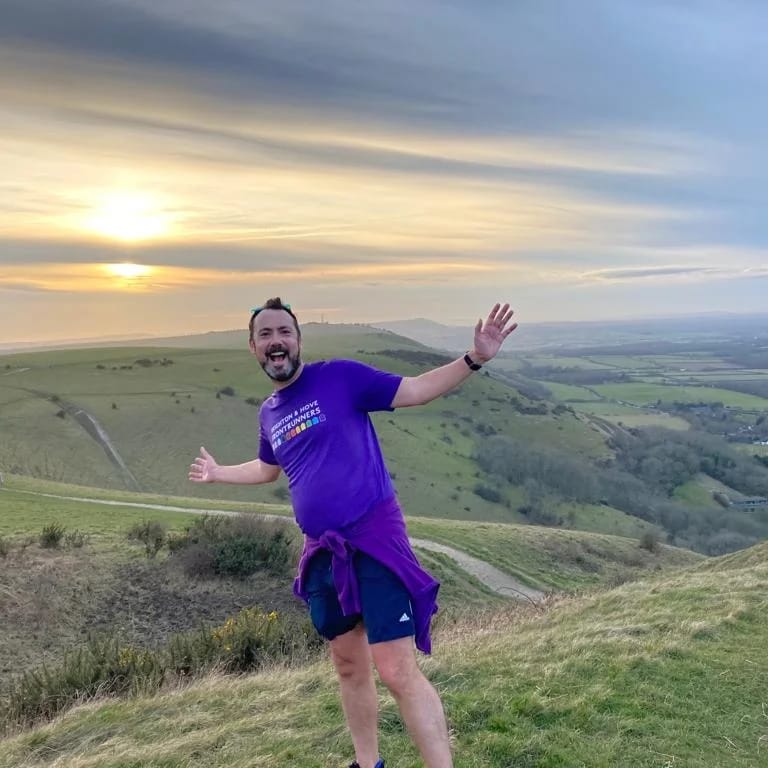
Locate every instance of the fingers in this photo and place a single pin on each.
(492, 314)
(198, 469)
(500, 315)
(509, 330)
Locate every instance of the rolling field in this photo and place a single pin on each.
(157, 407)
(641, 393)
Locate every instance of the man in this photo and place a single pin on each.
(367, 594)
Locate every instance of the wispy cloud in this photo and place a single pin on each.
(541, 145)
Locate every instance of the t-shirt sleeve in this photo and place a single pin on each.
(266, 454)
(370, 388)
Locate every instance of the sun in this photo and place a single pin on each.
(128, 271)
(129, 217)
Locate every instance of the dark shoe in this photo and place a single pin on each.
(380, 764)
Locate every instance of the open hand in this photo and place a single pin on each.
(490, 335)
(203, 467)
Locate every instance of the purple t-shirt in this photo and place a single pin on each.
(318, 430)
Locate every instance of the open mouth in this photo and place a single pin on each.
(277, 357)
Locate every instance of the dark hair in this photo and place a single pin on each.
(275, 303)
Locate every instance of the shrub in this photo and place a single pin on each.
(253, 401)
(51, 536)
(650, 541)
(235, 546)
(152, 534)
(107, 666)
(195, 559)
(244, 643)
(5, 547)
(102, 666)
(228, 391)
(254, 545)
(281, 493)
(538, 515)
(487, 493)
(75, 539)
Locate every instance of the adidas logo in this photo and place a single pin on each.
(405, 617)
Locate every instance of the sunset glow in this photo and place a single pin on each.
(128, 271)
(395, 170)
(129, 217)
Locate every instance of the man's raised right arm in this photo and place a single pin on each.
(205, 469)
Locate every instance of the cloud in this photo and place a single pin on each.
(682, 272)
(544, 145)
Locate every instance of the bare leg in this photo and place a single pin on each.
(351, 656)
(418, 701)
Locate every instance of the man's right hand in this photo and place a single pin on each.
(203, 468)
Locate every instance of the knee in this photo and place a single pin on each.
(398, 673)
(350, 665)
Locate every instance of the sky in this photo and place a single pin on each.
(165, 167)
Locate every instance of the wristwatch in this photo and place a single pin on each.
(473, 366)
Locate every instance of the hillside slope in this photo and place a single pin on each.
(668, 671)
(158, 405)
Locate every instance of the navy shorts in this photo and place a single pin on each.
(385, 602)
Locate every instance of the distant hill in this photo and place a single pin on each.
(580, 334)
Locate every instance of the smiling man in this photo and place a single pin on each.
(366, 591)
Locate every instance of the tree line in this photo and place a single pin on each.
(648, 465)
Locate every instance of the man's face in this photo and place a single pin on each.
(276, 344)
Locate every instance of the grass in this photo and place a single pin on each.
(22, 514)
(698, 492)
(599, 518)
(50, 600)
(34, 485)
(549, 558)
(630, 416)
(669, 671)
(542, 557)
(567, 393)
(158, 416)
(644, 394)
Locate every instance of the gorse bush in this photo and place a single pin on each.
(152, 534)
(105, 666)
(235, 546)
(244, 643)
(51, 536)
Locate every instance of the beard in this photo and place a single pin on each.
(285, 370)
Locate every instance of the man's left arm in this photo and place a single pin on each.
(489, 336)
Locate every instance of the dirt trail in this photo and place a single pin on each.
(91, 425)
(491, 577)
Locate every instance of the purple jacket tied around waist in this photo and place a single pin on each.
(380, 534)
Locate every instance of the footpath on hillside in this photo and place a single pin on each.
(496, 580)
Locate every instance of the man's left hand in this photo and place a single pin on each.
(490, 335)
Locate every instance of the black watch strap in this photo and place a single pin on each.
(473, 366)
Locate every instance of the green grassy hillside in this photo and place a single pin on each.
(664, 672)
(158, 412)
(52, 598)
